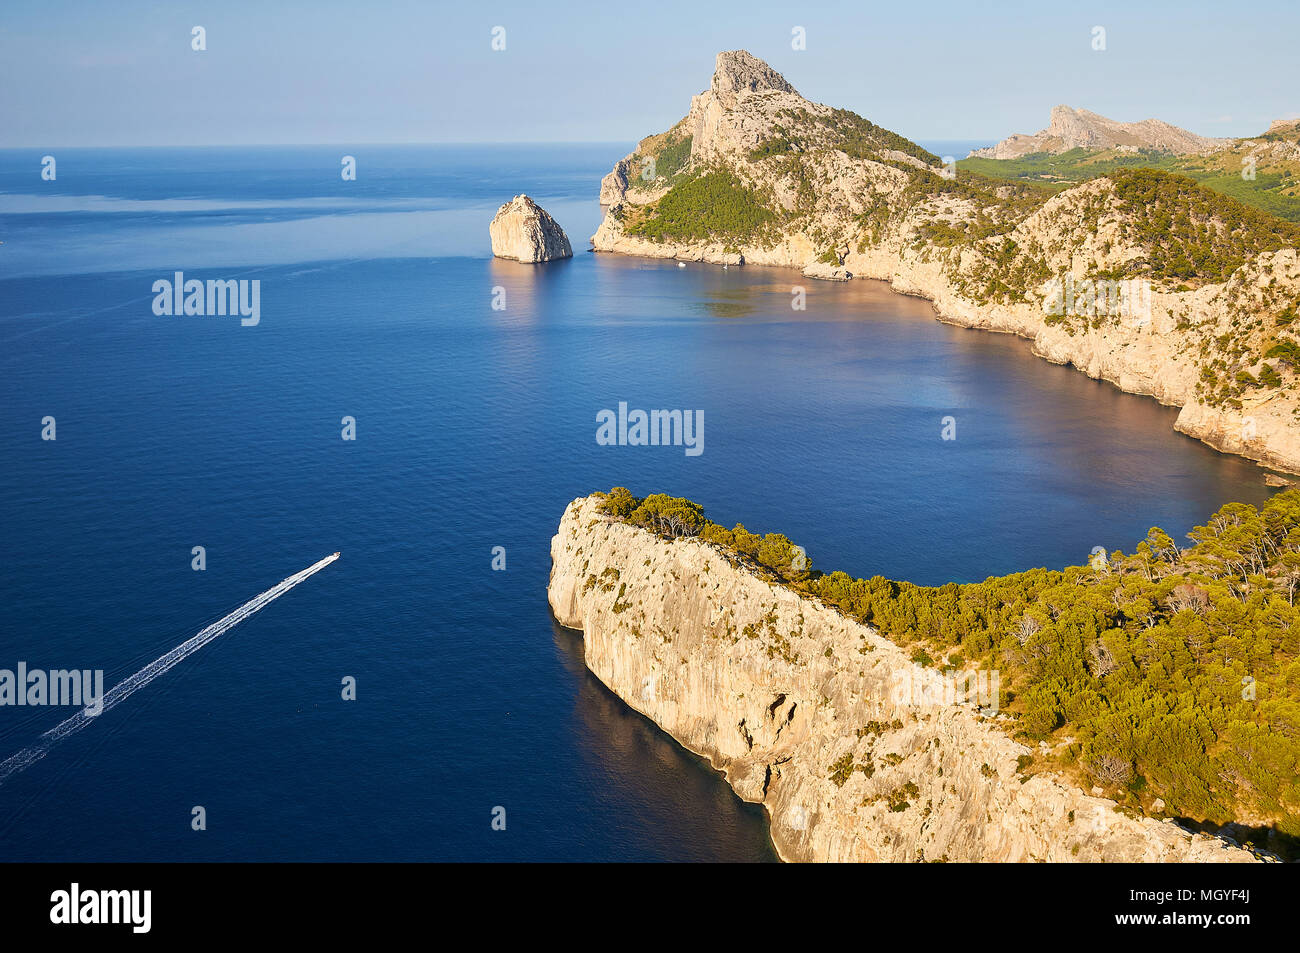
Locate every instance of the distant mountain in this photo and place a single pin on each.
(1081, 129)
(1263, 170)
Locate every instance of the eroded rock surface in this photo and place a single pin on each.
(1080, 129)
(522, 230)
(836, 184)
(812, 715)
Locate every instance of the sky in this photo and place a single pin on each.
(124, 73)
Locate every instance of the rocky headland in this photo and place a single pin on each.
(1182, 294)
(818, 718)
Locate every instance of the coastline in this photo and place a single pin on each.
(1119, 356)
(772, 688)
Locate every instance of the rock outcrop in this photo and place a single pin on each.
(818, 718)
(1080, 129)
(829, 184)
(522, 230)
(827, 272)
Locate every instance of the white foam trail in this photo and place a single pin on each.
(132, 684)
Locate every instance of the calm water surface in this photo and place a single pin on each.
(475, 427)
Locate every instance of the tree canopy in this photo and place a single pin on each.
(1172, 672)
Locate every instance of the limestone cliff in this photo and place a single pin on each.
(755, 173)
(524, 231)
(815, 717)
(1080, 129)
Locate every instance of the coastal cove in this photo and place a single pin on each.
(755, 173)
(475, 428)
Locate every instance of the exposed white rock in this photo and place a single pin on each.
(1080, 129)
(776, 705)
(522, 230)
(614, 185)
(827, 272)
(748, 104)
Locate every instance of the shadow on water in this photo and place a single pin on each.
(667, 795)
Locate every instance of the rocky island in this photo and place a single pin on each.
(522, 230)
(817, 716)
(1138, 276)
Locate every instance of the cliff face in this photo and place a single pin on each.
(1080, 129)
(843, 197)
(524, 231)
(818, 718)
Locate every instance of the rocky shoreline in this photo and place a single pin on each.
(1135, 359)
(1160, 352)
(815, 716)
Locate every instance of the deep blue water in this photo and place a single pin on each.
(475, 428)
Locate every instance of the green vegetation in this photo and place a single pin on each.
(1275, 189)
(842, 770)
(1172, 223)
(842, 129)
(673, 155)
(1193, 233)
(660, 159)
(675, 517)
(898, 798)
(1189, 235)
(863, 139)
(1193, 219)
(1172, 672)
(1288, 352)
(715, 205)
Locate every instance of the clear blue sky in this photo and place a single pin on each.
(123, 73)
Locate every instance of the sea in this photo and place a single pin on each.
(428, 412)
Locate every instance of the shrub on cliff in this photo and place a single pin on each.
(675, 516)
(620, 502)
(669, 515)
(1182, 663)
(1192, 232)
(715, 205)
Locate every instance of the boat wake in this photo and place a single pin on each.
(159, 666)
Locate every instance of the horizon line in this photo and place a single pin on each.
(412, 142)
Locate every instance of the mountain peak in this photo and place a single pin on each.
(1071, 128)
(738, 71)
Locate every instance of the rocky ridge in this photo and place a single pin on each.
(823, 190)
(817, 717)
(1080, 129)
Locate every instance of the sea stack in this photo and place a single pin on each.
(523, 230)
